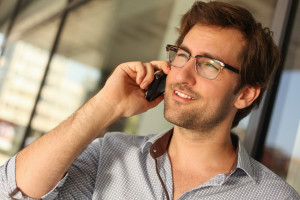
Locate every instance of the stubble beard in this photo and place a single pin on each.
(197, 119)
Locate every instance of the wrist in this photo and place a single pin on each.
(103, 110)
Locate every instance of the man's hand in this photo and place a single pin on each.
(125, 88)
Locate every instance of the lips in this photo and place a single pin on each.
(182, 95)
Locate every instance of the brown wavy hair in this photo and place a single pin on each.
(260, 56)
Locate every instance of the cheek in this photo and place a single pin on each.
(168, 87)
(172, 73)
(171, 79)
(217, 93)
(226, 83)
(168, 82)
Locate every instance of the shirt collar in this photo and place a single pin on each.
(244, 162)
(158, 144)
(161, 140)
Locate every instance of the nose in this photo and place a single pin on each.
(187, 74)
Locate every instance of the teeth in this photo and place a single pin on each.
(183, 95)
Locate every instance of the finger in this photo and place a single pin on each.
(137, 71)
(161, 65)
(148, 78)
(140, 72)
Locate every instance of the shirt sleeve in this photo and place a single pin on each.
(8, 186)
(84, 169)
(81, 176)
(8, 183)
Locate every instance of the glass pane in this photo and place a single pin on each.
(23, 64)
(6, 9)
(6, 128)
(68, 84)
(100, 35)
(282, 146)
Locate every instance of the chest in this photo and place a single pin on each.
(185, 180)
(133, 179)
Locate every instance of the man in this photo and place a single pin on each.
(216, 74)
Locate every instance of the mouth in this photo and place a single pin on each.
(182, 95)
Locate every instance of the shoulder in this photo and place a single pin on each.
(112, 142)
(271, 182)
(120, 139)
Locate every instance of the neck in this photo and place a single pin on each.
(191, 148)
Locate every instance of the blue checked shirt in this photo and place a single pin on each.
(122, 166)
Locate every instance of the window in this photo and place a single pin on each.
(23, 64)
(282, 146)
(96, 36)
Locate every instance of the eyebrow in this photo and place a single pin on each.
(204, 54)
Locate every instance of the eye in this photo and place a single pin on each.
(207, 67)
(182, 55)
(210, 64)
(207, 64)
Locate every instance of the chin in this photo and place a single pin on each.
(181, 119)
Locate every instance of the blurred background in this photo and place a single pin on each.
(56, 54)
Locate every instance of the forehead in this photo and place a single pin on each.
(225, 44)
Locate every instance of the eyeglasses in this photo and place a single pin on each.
(205, 66)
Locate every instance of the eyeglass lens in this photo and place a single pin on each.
(205, 67)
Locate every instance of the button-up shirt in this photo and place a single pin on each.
(123, 166)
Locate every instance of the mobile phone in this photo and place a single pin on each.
(157, 87)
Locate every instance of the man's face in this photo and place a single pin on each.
(197, 103)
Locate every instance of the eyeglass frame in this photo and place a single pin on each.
(223, 65)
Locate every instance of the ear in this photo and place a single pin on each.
(246, 96)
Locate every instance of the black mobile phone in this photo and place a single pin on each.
(157, 87)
